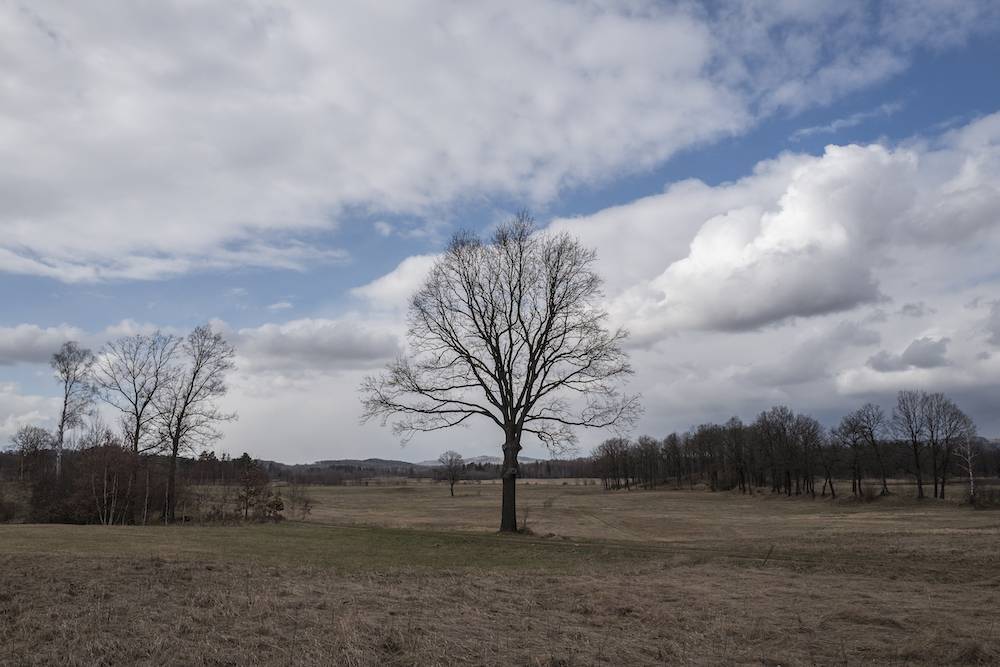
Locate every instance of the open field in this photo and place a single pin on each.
(407, 575)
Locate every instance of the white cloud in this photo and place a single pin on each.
(280, 305)
(855, 119)
(153, 140)
(29, 343)
(17, 410)
(802, 236)
(392, 291)
(319, 345)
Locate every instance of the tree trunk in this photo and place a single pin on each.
(934, 469)
(145, 504)
(916, 463)
(881, 469)
(453, 489)
(132, 501)
(60, 434)
(508, 510)
(172, 483)
(944, 470)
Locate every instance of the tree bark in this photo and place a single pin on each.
(934, 469)
(919, 472)
(508, 510)
(172, 483)
(946, 461)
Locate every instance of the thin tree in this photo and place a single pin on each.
(187, 407)
(909, 423)
(452, 464)
(72, 365)
(130, 374)
(830, 449)
(509, 330)
(968, 449)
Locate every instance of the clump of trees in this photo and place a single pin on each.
(786, 453)
(164, 390)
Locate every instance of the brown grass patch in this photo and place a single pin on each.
(689, 579)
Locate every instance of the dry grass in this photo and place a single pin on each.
(691, 578)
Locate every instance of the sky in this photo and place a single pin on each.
(792, 203)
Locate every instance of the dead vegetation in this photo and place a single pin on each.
(877, 583)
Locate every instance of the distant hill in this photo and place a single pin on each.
(378, 465)
(389, 465)
(481, 460)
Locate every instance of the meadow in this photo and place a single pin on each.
(400, 573)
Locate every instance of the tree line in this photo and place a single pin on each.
(925, 436)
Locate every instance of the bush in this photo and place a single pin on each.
(8, 508)
(987, 497)
(869, 493)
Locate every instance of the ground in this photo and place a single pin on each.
(404, 574)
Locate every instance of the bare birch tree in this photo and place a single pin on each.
(187, 407)
(968, 449)
(72, 365)
(509, 330)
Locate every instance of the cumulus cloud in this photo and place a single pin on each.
(315, 345)
(392, 291)
(923, 352)
(18, 409)
(802, 236)
(812, 358)
(186, 139)
(30, 343)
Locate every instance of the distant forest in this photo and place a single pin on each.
(778, 453)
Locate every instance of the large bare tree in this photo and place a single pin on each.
(509, 330)
(187, 407)
(130, 374)
(72, 365)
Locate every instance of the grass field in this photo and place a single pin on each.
(407, 575)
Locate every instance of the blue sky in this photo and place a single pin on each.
(254, 165)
